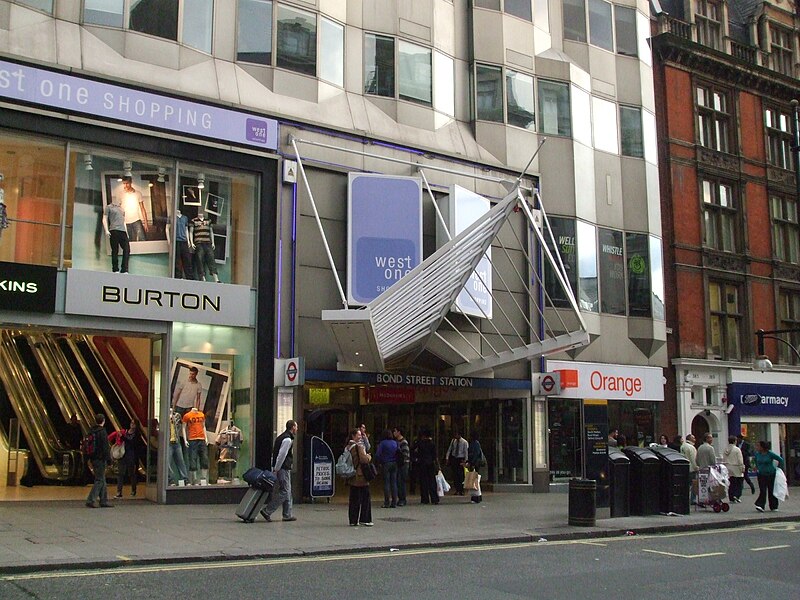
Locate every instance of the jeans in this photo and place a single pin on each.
(136, 231)
(119, 239)
(281, 496)
(765, 485)
(402, 478)
(204, 254)
(177, 468)
(127, 469)
(99, 490)
(185, 266)
(359, 509)
(198, 455)
(735, 491)
(390, 483)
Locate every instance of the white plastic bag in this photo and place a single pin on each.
(442, 487)
(780, 490)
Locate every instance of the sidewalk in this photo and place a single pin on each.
(58, 535)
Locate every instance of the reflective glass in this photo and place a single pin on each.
(612, 272)
(625, 25)
(554, 114)
(104, 12)
(575, 20)
(159, 19)
(657, 278)
(331, 65)
(414, 73)
(604, 125)
(444, 86)
(541, 14)
(198, 18)
(600, 33)
(45, 5)
(563, 231)
(519, 100)
(378, 65)
(489, 91)
(631, 128)
(637, 248)
(254, 43)
(296, 47)
(587, 267)
(519, 8)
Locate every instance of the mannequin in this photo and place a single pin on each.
(136, 221)
(198, 450)
(183, 254)
(177, 440)
(3, 211)
(117, 232)
(201, 239)
(229, 441)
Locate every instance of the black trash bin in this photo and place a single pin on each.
(619, 467)
(582, 498)
(644, 481)
(674, 467)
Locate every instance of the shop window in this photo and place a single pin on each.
(612, 271)
(104, 12)
(331, 66)
(785, 228)
(44, 5)
(725, 321)
(155, 18)
(519, 100)
(779, 138)
(637, 254)
(781, 49)
(296, 47)
(789, 313)
(630, 123)
(719, 216)
(587, 267)
(625, 27)
(378, 65)
(566, 438)
(575, 20)
(708, 19)
(489, 93)
(600, 24)
(33, 193)
(563, 233)
(554, 116)
(414, 72)
(254, 40)
(634, 420)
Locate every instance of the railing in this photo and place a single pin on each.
(744, 52)
(680, 28)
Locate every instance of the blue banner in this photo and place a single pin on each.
(761, 400)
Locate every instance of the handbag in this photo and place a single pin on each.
(117, 451)
(471, 480)
(369, 471)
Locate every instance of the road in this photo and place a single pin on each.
(752, 562)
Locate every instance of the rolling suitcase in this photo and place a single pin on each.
(252, 503)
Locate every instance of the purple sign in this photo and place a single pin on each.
(57, 90)
(385, 233)
(778, 401)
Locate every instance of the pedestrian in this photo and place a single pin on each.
(282, 468)
(128, 465)
(455, 458)
(676, 443)
(475, 460)
(663, 441)
(732, 459)
(386, 456)
(706, 456)
(622, 441)
(365, 437)
(359, 510)
(403, 464)
(413, 470)
(428, 467)
(612, 438)
(99, 459)
(747, 455)
(765, 465)
(690, 452)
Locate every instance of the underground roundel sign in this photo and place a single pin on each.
(291, 371)
(548, 383)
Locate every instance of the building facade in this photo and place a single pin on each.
(252, 119)
(726, 73)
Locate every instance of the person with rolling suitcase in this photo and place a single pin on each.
(255, 498)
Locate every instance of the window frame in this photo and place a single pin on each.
(714, 125)
(785, 227)
(271, 51)
(708, 18)
(789, 317)
(717, 216)
(730, 342)
(539, 99)
(781, 49)
(625, 149)
(779, 140)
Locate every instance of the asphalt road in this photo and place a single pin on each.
(753, 562)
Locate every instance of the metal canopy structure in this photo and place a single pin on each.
(414, 325)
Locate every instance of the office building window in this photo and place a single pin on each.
(779, 138)
(296, 47)
(414, 73)
(588, 298)
(444, 84)
(563, 231)
(575, 20)
(44, 5)
(600, 25)
(379, 65)
(612, 271)
(789, 313)
(331, 64)
(159, 19)
(554, 114)
(604, 125)
(785, 228)
(708, 19)
(518, 8)
(625, 28)
(725, 320)
(104, 12)
(714, 118)
(657, 278)
(630, 125)
(519, 100)
(637, 254)
(781, 49)
(254, 42)
(198, 21)
(489, 93)
(719, 216)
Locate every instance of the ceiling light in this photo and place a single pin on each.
(87, 162)
(201, 181)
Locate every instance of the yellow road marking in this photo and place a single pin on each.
(684, 555)
(593, 544)
(770, 548)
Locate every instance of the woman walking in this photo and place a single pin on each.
(765, 465)
(128, 465)
(360, 506)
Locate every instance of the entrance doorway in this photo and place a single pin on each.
(566, 455)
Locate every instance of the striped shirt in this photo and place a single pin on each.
(201, 231)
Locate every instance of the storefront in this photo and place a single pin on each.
(138, 213)
(763, 409)
(595, 398)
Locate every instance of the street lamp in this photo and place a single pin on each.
(762, 362)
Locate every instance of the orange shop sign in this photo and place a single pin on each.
(610, 382)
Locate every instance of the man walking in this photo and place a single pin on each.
(282, 467)
(100, 457)
(403, 460)
(456, 457)
(690, 452)
(706, 456)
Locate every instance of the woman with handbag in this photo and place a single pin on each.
(475, 460)
(125, 450)
(360, 505)
(765, 465)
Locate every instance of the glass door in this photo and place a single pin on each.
(564, 441)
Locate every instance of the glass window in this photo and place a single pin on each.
(630, 121)
(159, 19)
(198, 20)
(414, 72)
(444, 86)
(104, 12)
(581, 115)
(519, 100)
(657, 278)
(719, 213)
(639, 291)
(725, 317)
(518, 8)
(649, 135)
(331, 66)
(785, 228)
(612, 271)
(604, 125)
(600, 33)
(554, 117)
(490, 4)
(708, 18)
(575, 20)
(779, 138)
(33, 192)
(587, 267)
(378, 65)
(489, 91)
(541, 14)
(296, 47)
(563, 231)
(254, 43)
(625, 26)
(781, 49)
(714, 118)
(45, 5)
(789, 313)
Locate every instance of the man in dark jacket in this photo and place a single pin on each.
(100, 458)
(282, 456)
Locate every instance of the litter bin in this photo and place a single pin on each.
(619, 467)
(644, 481)
(582, 497)
(674, 468)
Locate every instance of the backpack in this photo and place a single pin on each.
(89, 445)
(344, 465)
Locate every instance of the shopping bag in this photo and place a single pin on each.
(442, 487)
(471, 480)
(780, 489)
